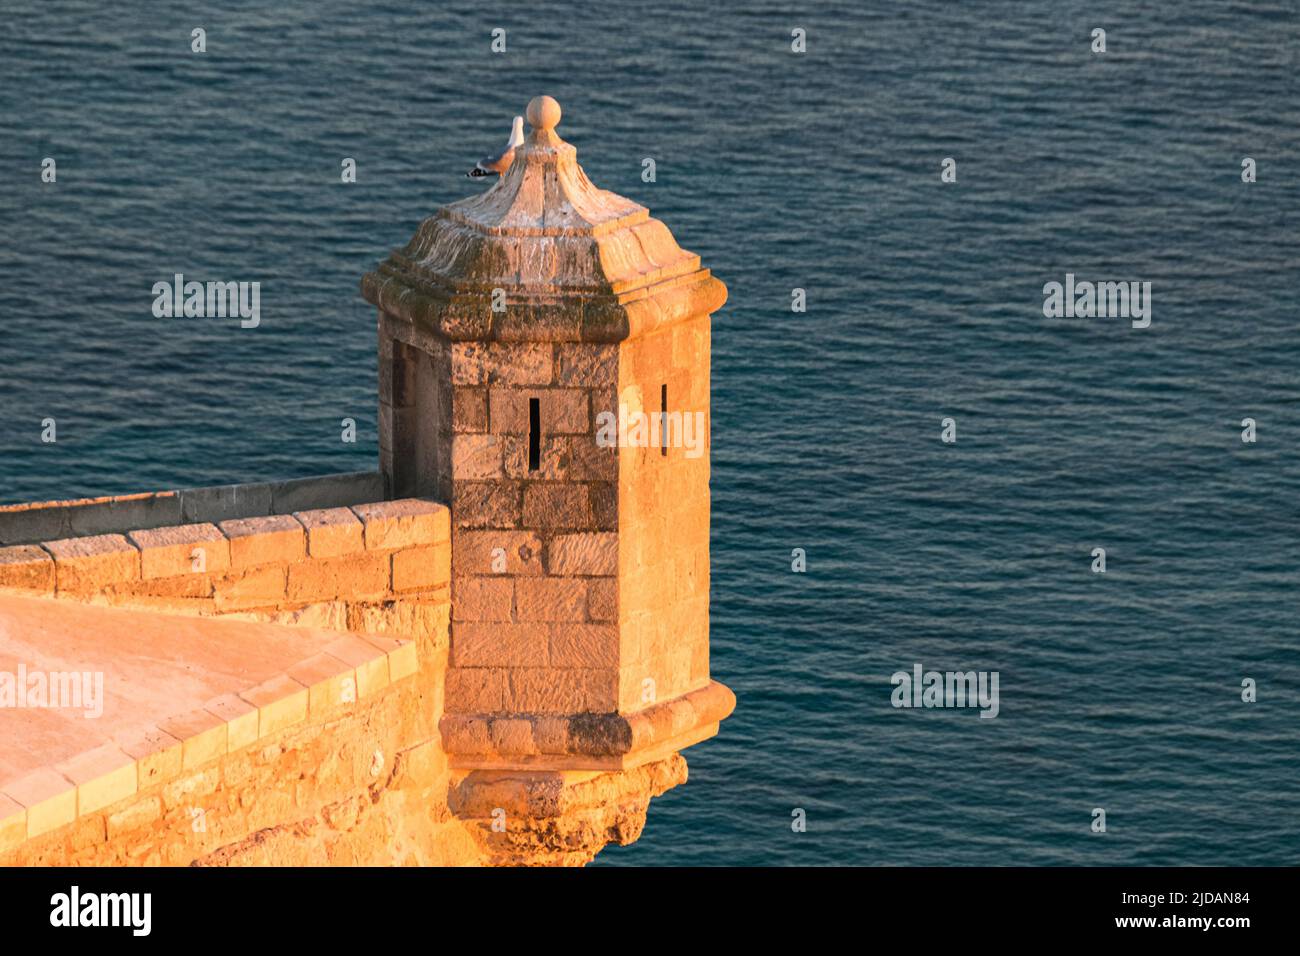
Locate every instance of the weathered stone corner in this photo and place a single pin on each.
(560, 818)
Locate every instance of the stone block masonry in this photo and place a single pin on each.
(507, 327)
(335, 760)
(312, 749)
(120, 514)
(332, 566)
(381, 570)
(508, 619)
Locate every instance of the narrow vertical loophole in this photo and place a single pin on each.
(534, 434)
(663, 419)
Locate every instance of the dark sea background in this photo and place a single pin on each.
(817, 171)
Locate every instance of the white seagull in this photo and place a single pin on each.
(501, 161)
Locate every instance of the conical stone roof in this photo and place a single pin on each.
(570, 258)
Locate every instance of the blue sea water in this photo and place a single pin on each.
(818, 171)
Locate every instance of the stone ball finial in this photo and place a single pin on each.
(543, 113)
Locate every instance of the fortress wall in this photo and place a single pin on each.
(360, 783)
(53, 520)
(346, 783)
(339, 568)
(579, 667)
(364, 783)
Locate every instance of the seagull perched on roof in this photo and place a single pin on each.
(501, 161)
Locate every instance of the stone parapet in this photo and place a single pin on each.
(118, 514)
(331, 562)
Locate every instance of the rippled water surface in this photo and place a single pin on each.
(818, 171)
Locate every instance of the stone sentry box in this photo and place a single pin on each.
(580, 569)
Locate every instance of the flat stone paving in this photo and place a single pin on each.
(173, 680)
